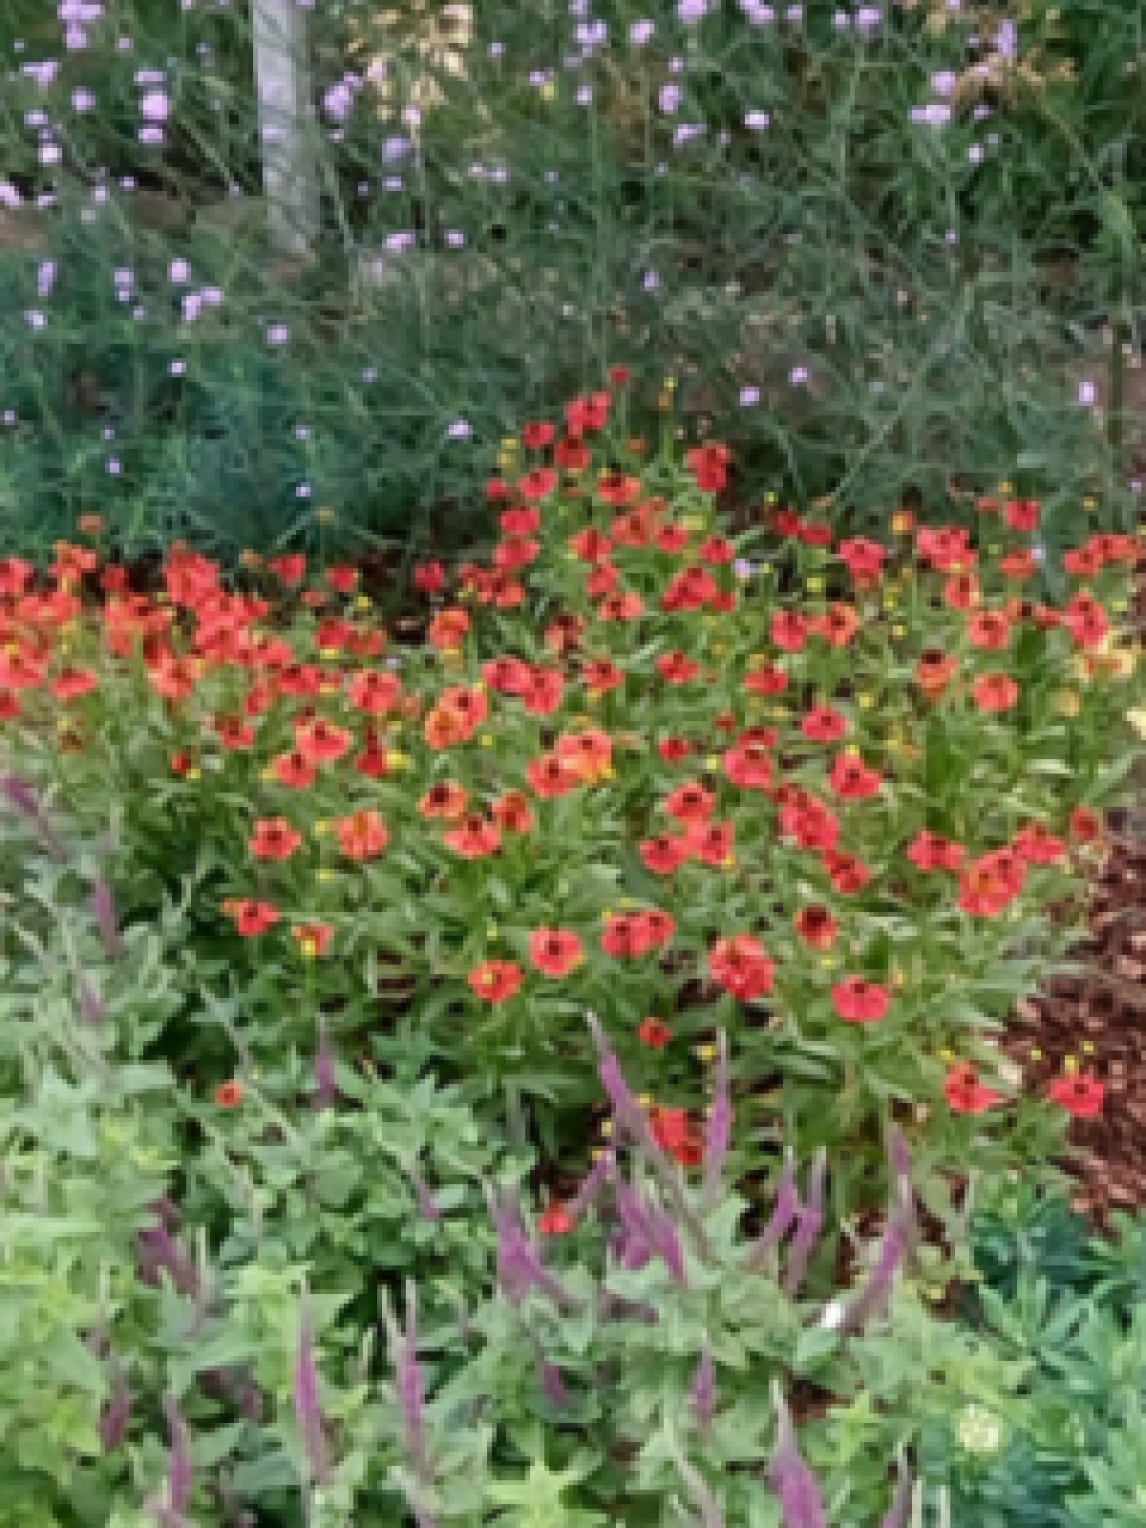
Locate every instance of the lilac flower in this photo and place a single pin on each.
(794, 1483)
(934, 114)
(1086, 394)
(640, 32)
(704, 1390)
(749, 397)
(809, 1220)
(103, 907)
(719, 1134)
(670, 98)
(278, 334)
(757, 121)
(116, 1414)
(157, 1251)
(155, 106)
(306, 1400)
(692, 11)
(326, 1090)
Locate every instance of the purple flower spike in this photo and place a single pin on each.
(428, 1207)
(408, 1383)
(116, 1414)
(172, 1505)
(893, 1251)
(784, 1213)
(901, 1502)
(306, 1399)
(93, 1010)
(519, 1265)
(158, 1251)
(719, 1134)
(22, 798)
(666, 1241)
(704, 1390)
(626, 1110)
(103, 907)
(794, 1483)
(809, 1221)
(592, 1185)
(898, 1154)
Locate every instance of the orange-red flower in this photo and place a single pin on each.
(768, 680)
(229, 1095)
(1080, 1094)
(449, 627)
(749, 765)
(690, 803)
(313, 939)
(551, 775)
(319, 741)
(362, 835)
(555, 951)
(474, 838)
(74, 683)
(989, 630)
(294, 770)
(375, 692)
(860, 1001)
(666, 854)
(678, 1135)
(251, 917)
(1086, 620)
(513, 813)
(928, 852)
(677, 668)
(290, 569)
(847, 874)
(495, 981)
(816, 926)
(445, 800)
(789, 630)
(274, 839)
(934, 672)
(964, 1092)
(824, 724)
(654, 1033)
(992, 883)
(740, 964)
(852, 779)
(556, 1221)
(995, 692)
(1038, 845)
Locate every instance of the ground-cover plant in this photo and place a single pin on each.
(834, 798)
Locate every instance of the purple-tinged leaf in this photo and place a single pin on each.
(893, 1252)
(783, 1215)
(897, 1514)
(592, 1185)
(116, 1414)
(704, 1390)
(552, 1385)
(307, 1405)
(103, 907)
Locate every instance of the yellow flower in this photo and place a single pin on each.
(706, 1053)
(364, 602)
(815, 585)
(1137, 719)
(692, 522)
(396, 760)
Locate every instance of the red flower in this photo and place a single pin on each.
(665, 855)
(965, 1094)
(474, 838)
(712, 844)
(824, 724)
(749, 765)
(617, 489)
(677, 1135)
(654, 1033)
(589, 752)
(290, 569)
(1085, 825)
(512, 812)
(930, 852)
(934, 672)
(538, 484)
(591, 544)
(996, 692)
(628, 936)
(709, 466)
(572, 455)
(789, 630)
(676, 668)
(541, 691)
(293, 770)
(555, 951)
(448, 627)
(550, 775)
(1022, 514)
(621, 607)
(362, 835)
(847, 874)
(274, 839)
(229, 1095)
(860, 1001)
(600, 675)
(342, 577)
(717, 550)
(313, 939)
(851, 778)
(766, 681)
(671, 538)
(495, 981)
(810, 823)
(74, 683)
(520, 522)
(445, 800)
(536, 435)
(740, 965)
(429, 577)
(1086, 620)
(816, 926)
(374, 692)
(602, 580)
(619, 376)
(864, 560)
(556, 1221)
(320, 741)
(992, 883)
(1038, 845)
(251, 917)
(673, 749)
(989, 630)
(1080, 1094)
(690, 803)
